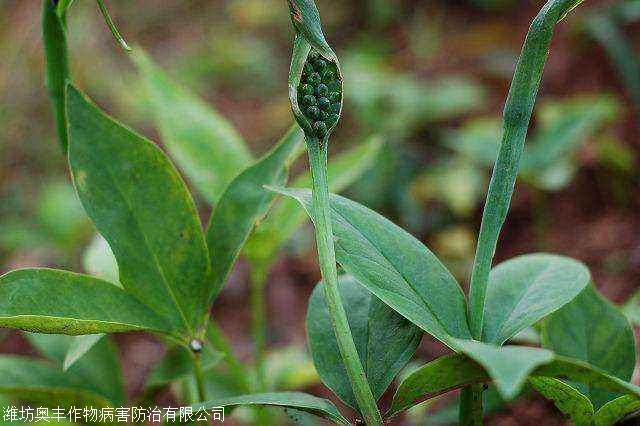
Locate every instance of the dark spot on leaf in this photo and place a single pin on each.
(295, 11)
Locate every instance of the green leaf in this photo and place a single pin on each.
(140, 204)
(619, 48)
(56, 65)
(435, 378)
(43, 383)
(99, 369)
(244, 204)
(296, 400)
(614, 411)
(51, 301)
(517, 115)
(527, 288)
(203, 143)
(286, 217)
(396, 267)
(79, 347)
(385, 340)
(306, 20)
(593, 330)
(508, 366)
(568, 399)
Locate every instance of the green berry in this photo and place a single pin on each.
(322, 90)
(313, 55)
(313, 112)
(335, 86)
(324, 115)
(321, 65)
(308, 68)
(334, 107)
(333, 119)
(307, 89)
(334, 97)
(314, 79)
(309, 100)
(324, 103)
(320, 128)
(328, 76)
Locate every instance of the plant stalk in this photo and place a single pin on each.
(197, 363)
(219, 342)
(258, 324)
(471, 411)
(327, 259)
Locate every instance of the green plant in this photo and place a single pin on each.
(363, 326)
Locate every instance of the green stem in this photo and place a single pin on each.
(258, 323)
(471, 406)
(112, 27)
(516, 117)
(327, 259)
(258, 280)
(197, 363)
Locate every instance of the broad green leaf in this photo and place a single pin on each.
(527, 288)
(614, 411)
(435, 378)
(568, 399)
(56, 65)
(286, 217)
(99, 369)
(140, 204)
(396, 267)
(43, 382)
(385, 340)
(508, 366)
(591, 329)
(516, 118)
(203, 143)
(79, 347)
(296, 400)
(51, 301)
(244, 204)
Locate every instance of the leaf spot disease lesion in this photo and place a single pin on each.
(295, 11)
(81, 179)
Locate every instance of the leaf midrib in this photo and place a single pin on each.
(153, 253)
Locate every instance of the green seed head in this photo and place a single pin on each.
(308, 68)
(309, 100)
(324, 104)
(320, 93)
(321, 65)
(322, 90)
(328, 76)
(307, 89)
(313, 112)
(314, 79)
(320, 128)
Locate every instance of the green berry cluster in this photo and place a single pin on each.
(320, 93)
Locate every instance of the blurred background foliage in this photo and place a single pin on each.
(426, 79)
